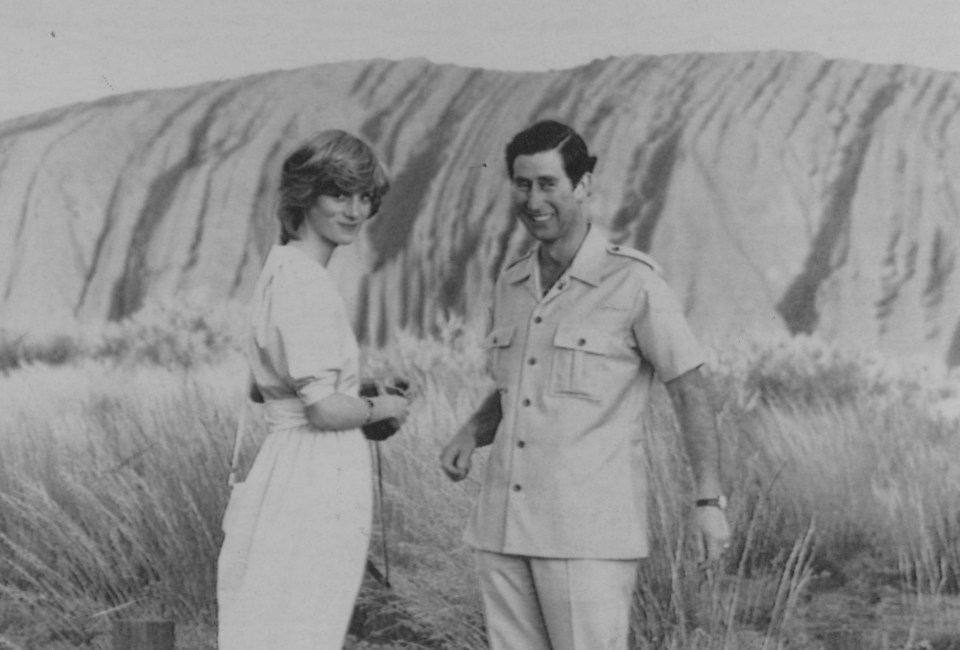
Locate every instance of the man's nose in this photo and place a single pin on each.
(534, 199)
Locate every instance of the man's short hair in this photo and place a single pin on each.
(548, 135)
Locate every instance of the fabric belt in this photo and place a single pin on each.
(281, 414)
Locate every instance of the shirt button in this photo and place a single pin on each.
(532, 362)
(521, 444)
(538, 320)
(582, 342)
(526, 402)
(517, 488)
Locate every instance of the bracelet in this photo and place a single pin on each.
(369, 410)
(716, 502)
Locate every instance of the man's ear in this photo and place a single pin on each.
(582, 190)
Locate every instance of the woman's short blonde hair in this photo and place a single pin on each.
(331, 163)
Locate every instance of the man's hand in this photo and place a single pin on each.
(714, 531)
(455, 457)
(479, 431)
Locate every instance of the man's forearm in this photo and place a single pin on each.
(486, 419)
(699, 431)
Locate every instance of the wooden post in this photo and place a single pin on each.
(143, 635)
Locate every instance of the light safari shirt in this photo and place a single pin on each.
(574, 368)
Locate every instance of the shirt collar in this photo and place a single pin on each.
(586, 266)
(521, 269)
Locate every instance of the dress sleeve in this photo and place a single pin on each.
(663, 333)
(306, 322)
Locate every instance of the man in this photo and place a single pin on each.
(580, 328)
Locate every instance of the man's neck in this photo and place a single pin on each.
(559, 254)
(556, 257)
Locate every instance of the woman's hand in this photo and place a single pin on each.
(714, 531)
(391, 407)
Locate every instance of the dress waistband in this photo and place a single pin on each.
(284, 414)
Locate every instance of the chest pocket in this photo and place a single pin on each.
(580, 359)
(498, 344)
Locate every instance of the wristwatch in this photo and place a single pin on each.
(716, 502)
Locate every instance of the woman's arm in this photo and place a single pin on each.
(339, 412)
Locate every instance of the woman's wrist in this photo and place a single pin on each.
(371, 408)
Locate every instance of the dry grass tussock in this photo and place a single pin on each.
(845, 500)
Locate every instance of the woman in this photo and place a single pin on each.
(293, 557)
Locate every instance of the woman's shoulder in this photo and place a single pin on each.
(290, 268)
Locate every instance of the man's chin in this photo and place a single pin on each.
(538, 229)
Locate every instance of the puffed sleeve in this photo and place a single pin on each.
(306, 319)
(662, 331)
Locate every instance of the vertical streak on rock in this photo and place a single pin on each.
(260, 238)
(128, 292)
(644, 206)
(105, 231)
(220, 156)
(829, 247)
(25, 213)
(942, 264)
(953, 355)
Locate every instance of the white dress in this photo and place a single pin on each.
(293, 557)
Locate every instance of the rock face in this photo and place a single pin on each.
(779, 191)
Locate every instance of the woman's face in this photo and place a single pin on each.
(337, 219)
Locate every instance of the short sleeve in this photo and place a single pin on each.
(662, 331)
(306, 320)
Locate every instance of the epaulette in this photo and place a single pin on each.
(634, 254)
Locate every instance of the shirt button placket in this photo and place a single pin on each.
(517, 463)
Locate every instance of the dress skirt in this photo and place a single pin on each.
(297, 533)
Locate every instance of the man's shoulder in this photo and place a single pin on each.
(621, 252)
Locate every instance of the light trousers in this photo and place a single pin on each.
(555, 604)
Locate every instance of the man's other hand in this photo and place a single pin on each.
(455, 457)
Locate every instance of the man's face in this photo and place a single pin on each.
(545, 200)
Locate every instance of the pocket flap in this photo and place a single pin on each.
(501, 337)
(577, 337)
